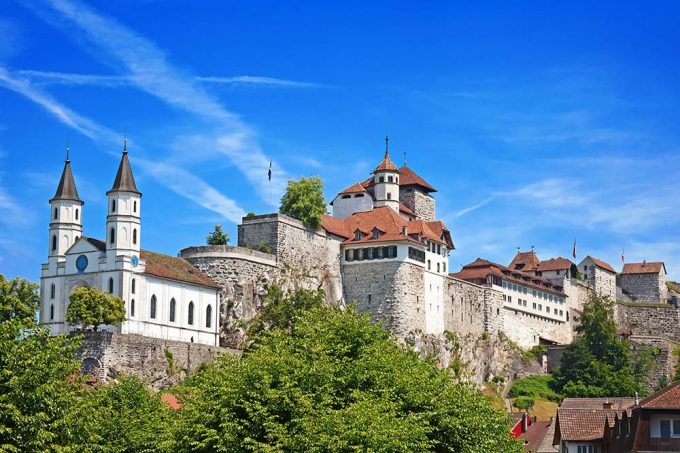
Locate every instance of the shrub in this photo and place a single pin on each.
(536, 387)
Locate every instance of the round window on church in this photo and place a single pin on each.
(81, 263)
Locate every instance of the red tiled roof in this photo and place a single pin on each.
(354, 188)
(403, 208)
(602, 264)
(618, 403)
(408, 177)
(335, 226)
(667, 398)
(526, 261)
(583, 424)
(644, 268)
(554, 264)
(480, 269)
(386, 164)
(535, 434)
(174, 268)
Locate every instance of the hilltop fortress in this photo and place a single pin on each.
(382, 249)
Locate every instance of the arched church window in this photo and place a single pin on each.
(113, 205)
(54, 242)
(53, 291)
(112, 236)
(56, 213)
(134, 206)
(132, 290)
(152, 307)
(190, 319)
(134, 236)
(173, 304)
(132, 307)
(51, 311)
(389, 178)
(77, 213)
(110, 285)
(208, 316)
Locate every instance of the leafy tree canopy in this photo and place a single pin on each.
(598, 363)
(18, 300)
(91, 307)
(304, 200)
(217, 237)
(335, 381)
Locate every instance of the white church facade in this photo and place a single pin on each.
(165, 296)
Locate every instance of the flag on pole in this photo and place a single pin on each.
(623, 259)
(573, 253)
(269, 173)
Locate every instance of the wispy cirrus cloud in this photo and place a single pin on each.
(47, 78)
(474, 207)
(149, 70)
(171, 176)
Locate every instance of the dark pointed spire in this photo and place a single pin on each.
(386, 164)
(125, 181)
(67, 184)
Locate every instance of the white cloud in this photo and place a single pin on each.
(257, 80)
(175, 178)
(148, 69)
(474, 207)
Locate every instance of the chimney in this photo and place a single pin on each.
(404, 230)
(637, 400)
(607, 404)
(552, 419)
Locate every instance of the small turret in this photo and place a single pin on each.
(123, 222)
(386, 180)
(66, 222)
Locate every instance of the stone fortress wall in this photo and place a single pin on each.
(472, 309)
(649, 319)
(645, 287)
(421, 204)
(528, 330)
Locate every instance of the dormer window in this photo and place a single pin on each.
(376, 233)
(357, 235)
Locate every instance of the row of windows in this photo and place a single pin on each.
(112, 236)
(542, 318)
(359, 195)
(173, 307)
(54, 241)
(113, 206)
(371, 253)
(439, 266)
(535, 306)
(436, 248)
(56, 213)
(416, 254)
(390, 178)
(535, 293)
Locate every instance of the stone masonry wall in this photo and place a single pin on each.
(375, 287)
(109, 355)
(303, 255)
(470, 308)
(645, 287)
(650, 319)
(528, 330)
(423, 205)
(603, 282)
(664, 366)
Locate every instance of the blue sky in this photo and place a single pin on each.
(537, 122)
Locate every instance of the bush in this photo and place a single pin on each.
(523, 403)
(536, 387)
(264, 248)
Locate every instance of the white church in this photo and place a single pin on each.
(165, 296)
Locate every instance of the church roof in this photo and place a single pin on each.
(125, 181)
(408, 177)
(67, 185)
(174, 268)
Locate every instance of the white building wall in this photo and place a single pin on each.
(345, 207)
(434, 302)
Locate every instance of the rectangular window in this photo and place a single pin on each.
(540, 307)
(439, 249)
(364, 254)
(444, 264)
(676, 427)
(429, 265)
(534, 305)
(389, 196)
(348, 255)
(355, 254)
(438, 268)
(665, 426)
(509, 298)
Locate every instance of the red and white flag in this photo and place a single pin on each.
(623, 259)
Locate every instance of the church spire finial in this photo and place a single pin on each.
(68, 149)
(387, 144)
(125, 142)
(404, 158)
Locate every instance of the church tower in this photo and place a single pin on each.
(386, 180)
(66, 216)
(123, 222)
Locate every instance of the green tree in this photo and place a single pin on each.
(304, 200)
(335, 381)
(90, 307)
(38, 387)
(124, 416)
(598, 363)
(18, 300)
(217, 237)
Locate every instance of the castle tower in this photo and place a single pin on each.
(123, 222)
(386, 180)
(66, 217)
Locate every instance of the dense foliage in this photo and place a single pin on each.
(91, 307)
(37, 380)
(335, 382)
(304, 200)
(599, 363)
(316, 378)
(534, 387)
(217, 237)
